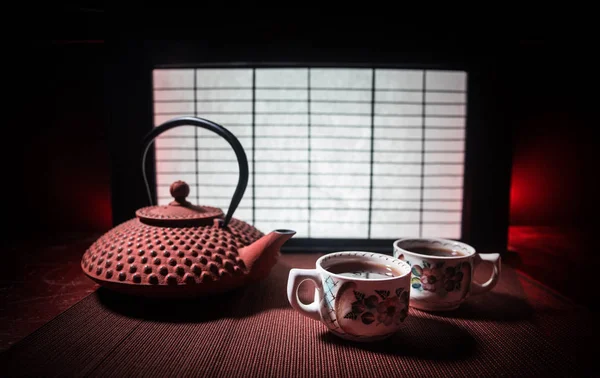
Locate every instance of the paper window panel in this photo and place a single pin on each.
(332, 152)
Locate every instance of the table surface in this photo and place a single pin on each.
(521, 328)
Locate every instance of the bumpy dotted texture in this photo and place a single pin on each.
(138, 254)
(178, 212)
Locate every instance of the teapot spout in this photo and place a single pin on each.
(261, 256)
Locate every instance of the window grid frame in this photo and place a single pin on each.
(423, 91)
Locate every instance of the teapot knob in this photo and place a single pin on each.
(180, 190)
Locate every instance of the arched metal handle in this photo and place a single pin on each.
(217, 129)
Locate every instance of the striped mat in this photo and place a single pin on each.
(519, 329)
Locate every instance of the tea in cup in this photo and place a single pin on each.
(359, 296)
(442, 272)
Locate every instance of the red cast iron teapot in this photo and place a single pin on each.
(184, 250)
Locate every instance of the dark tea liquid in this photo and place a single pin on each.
(430, 251)
(367, 270)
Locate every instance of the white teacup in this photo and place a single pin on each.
(442, 281)
(355, 305)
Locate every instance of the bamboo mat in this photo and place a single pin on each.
(519, 329)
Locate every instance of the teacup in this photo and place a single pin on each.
(359, 296)
(442, 272)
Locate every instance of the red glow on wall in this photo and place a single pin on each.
(517, 192)
(88, 207)
(79, 188)
(547, 179)
(59, 151)
(531, 191)
(100, 207)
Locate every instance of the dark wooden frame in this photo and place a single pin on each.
(488, 132)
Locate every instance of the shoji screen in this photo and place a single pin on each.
(333, 152)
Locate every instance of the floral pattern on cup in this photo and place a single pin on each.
(437, 278)
(380, 308)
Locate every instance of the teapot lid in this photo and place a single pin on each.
(180, 212)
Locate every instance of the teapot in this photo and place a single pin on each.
(181, 249)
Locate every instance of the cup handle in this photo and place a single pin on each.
(491, 258)
(296, 277)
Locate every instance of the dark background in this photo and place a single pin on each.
(57, 159)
